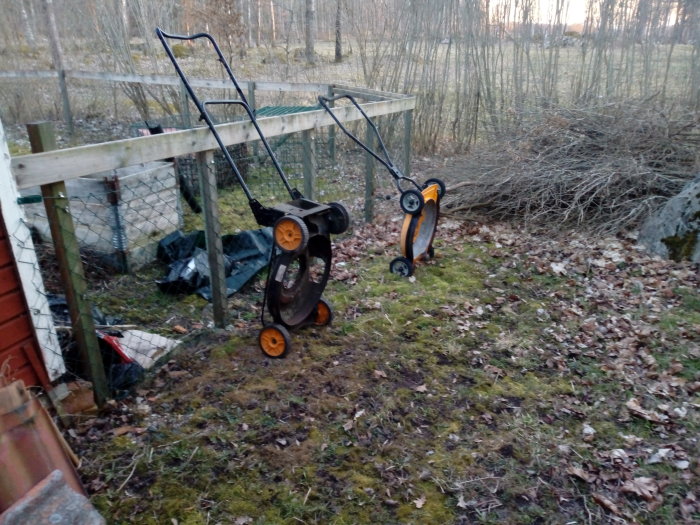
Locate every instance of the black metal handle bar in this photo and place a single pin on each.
(204, 114)
(386, 160)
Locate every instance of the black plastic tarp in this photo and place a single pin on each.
(245, 254)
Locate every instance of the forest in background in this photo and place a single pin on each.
(479, 68)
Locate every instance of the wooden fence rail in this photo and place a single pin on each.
(57, 166)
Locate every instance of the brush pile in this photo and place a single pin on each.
(602, 169)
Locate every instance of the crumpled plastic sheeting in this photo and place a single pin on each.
(245, 254)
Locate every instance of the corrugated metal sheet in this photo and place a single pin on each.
(19, 349)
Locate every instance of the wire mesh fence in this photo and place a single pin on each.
(141, 241)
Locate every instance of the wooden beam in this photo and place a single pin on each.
(166, 80)
(41, 136)
(370, 169)
(331, 129)
(407, 132)
(70, 163)
(19, 75)
(309, 161)
(212, 233)
(367, 92)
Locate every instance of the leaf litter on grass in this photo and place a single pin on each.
(460, 397)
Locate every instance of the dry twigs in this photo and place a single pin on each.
(601, 168)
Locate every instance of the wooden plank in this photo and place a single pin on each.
(11, 305)
(367, 92)
(5, 253)
(8, 281)
(16, 330)
(212, 233)
(70, 163)
(362, 95)
(370, 169)
(407, 132)
(150, 80)
(19, 75)
(166, 80)
(331, 129)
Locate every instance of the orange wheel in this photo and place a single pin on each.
(291, 234)
(274, 340)
(324, 314)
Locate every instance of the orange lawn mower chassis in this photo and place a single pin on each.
(301, 255)
(421, 204)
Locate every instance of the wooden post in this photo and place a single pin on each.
(42, 138)
(212, 226)
(331, 130)
(309, 146)
(251, 103)
(407, 131)
(185, 107)
(251, 94)
(370, 167)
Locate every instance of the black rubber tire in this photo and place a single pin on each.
(339, 220)
(411, 202)
(401, 266)
(440, 183)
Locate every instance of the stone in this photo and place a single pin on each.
(673, 232)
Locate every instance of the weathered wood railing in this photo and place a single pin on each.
(50, 169)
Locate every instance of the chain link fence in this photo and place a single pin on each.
(142, 243)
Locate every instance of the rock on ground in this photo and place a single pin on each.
(674, 231)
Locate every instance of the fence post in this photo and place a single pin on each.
(251, 103)
(309, 147)
(42, 138)
(185, 107)
(369, 174)
(331, 130)
(212, 227)
(407, 131)
(251, 94)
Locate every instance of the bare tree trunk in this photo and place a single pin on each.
(57, 55)
(124, 13)
(338, 41)
(27, 27)
(272, 21)
(249, 21)
(257, 21)
(310, 31)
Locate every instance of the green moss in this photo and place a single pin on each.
(681, 247)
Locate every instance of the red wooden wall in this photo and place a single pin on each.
(19, 350)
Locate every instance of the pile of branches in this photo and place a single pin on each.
(602, 169)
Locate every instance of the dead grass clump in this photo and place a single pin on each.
(601, 168)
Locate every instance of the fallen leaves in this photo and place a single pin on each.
(606, 503)
(637, 410)
(647, 489)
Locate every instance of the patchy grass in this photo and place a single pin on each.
(461, 396)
